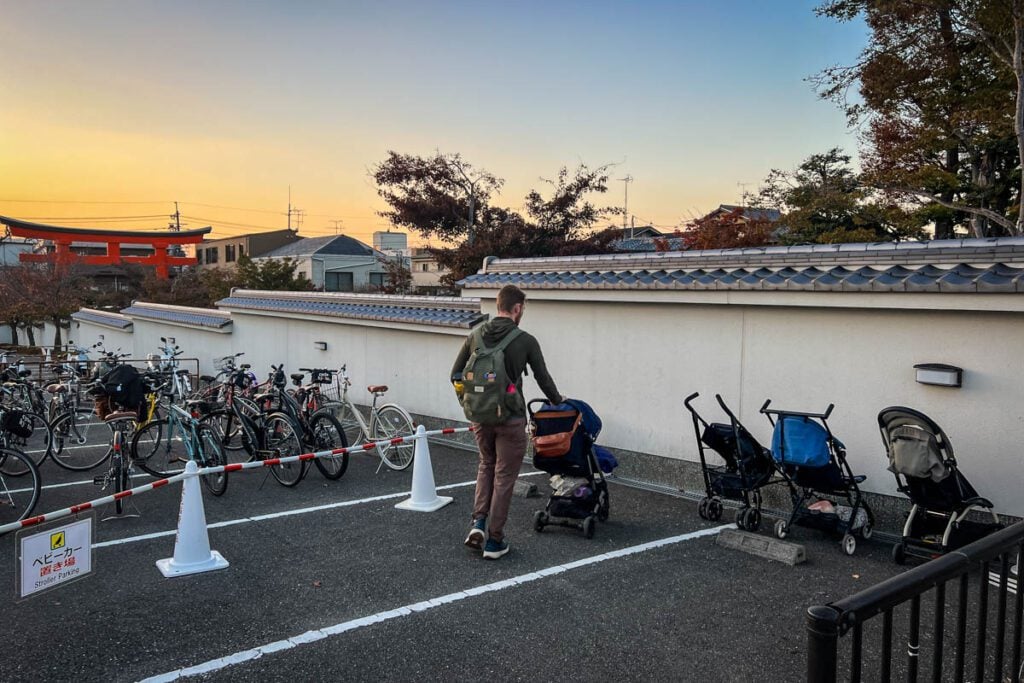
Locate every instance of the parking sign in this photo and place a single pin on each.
(54, 557)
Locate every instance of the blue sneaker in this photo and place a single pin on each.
(475, 539)
(495, 549)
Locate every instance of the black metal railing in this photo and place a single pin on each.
(986, 562)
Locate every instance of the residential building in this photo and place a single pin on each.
(336, 263)
(225, 252)
(426, 272)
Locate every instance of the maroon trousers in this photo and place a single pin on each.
(502, 448)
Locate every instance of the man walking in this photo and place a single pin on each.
(490, 367)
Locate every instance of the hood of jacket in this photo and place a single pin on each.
(495, 330)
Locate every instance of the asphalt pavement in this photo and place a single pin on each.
(328, 581)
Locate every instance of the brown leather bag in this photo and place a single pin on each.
(558, 444)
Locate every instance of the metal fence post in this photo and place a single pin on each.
(822, 643)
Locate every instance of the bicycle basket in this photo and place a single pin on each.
(18, 423)
(321, 377)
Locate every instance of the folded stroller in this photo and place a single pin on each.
(748, 467)
(815, 463)
(563, 445)
(921, 458)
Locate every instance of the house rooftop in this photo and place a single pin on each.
(336, 245)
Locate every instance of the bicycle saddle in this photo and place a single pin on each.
(120, 414)
(181, 372)
(207, 378)
(56, 388)
(297, 377)
(377, 388)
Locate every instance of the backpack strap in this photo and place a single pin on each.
(478, 340)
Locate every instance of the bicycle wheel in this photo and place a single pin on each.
(211, 455)
(225, 426)
(118, 469)
(81, 440)
(343, 414)
(281, 436)
(36, 445)
(18, 498)
(157, 451)
(326, 434)
(391, 422)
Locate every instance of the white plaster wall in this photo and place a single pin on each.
(414, 364)
(196, 343)
(86, 334)
(635, 363)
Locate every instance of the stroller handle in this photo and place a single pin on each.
(718, 397)
(689, 399)
(793, 413)
(529, 404)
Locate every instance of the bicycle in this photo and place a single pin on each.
(166, 363)
(121, 424)
(34, 438)
(18, 503)
(320, 429)
(181, 437)
(84, 439)
(263, 435)
(388, 421)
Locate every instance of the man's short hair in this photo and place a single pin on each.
(508, 297)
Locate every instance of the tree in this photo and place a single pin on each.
(271, 273)
(937, 107)
(43, 292)
(823, 200)
(438, 196)
(727, 230)
(397, 274)
(431, 195)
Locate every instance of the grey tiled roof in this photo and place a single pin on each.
(104, 318)
(972, 266)
(437, 311)
(341, 245)
(182, 315)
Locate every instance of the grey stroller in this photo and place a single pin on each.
(921, 457)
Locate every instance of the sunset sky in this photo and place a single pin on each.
(128, 106)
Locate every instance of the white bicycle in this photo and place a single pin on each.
(387, 421)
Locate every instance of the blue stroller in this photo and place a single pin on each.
(814, 461)
(563, 438)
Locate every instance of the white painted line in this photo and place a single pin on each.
(353, 624)
(288, 513)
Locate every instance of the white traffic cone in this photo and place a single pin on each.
(192, 553)
(424, 491)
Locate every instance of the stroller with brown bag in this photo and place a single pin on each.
(563, 438)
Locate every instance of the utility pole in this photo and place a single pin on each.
(176, 225)
(632, 227)
(625, 202)
(743, 193)
(289, 207)
(337, 225)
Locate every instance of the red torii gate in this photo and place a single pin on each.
(113, 239)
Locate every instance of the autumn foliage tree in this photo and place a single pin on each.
(445, 197)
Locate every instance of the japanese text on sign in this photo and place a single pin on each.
(55, 556)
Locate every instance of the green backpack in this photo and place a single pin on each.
(485, 381)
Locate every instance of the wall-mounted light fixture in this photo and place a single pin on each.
(939, 374)
(320, 345)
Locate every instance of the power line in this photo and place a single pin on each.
(68, 201)
(91, 218)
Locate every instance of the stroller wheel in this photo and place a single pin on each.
(588, 527)
(603, 506)
(899, 553)
(866, 531)
(702, 507)
(715, 509)
(781, 529)
(741, 518)
(540, 519)
(753, 519)
(849, 544)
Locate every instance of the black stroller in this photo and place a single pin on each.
(563, 444)
(921, 458)
(748, 467)
(815, 463)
